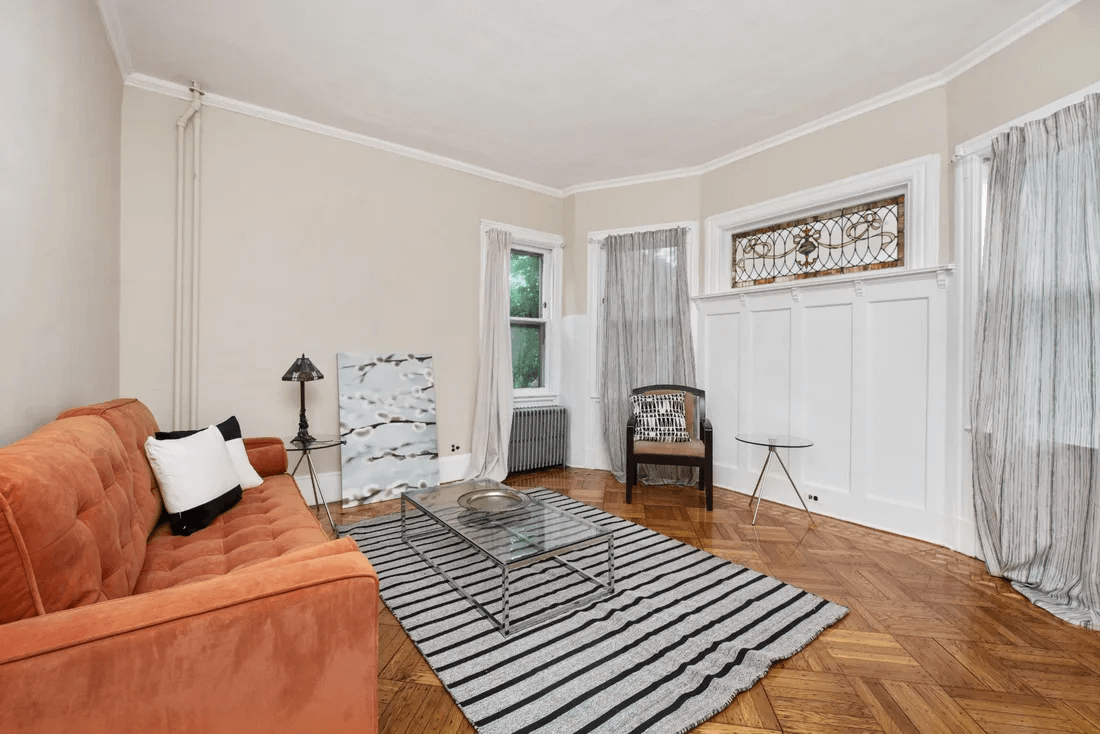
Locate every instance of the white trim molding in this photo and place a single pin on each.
(1011, 34)
(858, 282)
(982, 145)
(918, 179)
(1002, 40)
(116, 36)
(179, 91)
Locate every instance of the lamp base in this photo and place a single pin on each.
(303, 438)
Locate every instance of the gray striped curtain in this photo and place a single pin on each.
(646, 323)
(1036, 396)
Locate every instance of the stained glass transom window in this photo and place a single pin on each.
(866, 236)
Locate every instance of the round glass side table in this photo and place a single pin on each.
(774, 441)
(317, 444)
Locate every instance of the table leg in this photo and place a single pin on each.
(611, 564)
(300, 457)
(760, 485)
(504, 601)
(807, 509)
(317, 489)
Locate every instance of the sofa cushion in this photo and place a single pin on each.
(230, 429)
(270, 521)
(133, 423)
(70, 533)
(197, 478)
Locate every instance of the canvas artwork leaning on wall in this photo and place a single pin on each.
(387, 414)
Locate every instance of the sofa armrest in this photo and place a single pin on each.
(267, 455)
(289, 649)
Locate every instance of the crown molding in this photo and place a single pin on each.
(983, 144)
(179, 91)
(1002, 40)
(1038, 17)
(1013, 33)
(116, 36)
(860, 108)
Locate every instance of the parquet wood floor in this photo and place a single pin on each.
(932, 642)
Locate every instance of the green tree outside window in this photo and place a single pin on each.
(528, 326)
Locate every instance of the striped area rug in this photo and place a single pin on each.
(684, 632)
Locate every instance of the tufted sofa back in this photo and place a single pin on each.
(133, 422)
(70, 528)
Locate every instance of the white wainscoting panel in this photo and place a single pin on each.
(826, 404)
(897, 405)
(859, 367)
(770, 370)
(724, 336)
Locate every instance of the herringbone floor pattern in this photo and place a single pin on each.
(932, 642)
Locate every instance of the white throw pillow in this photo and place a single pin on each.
(196, 476)
(230, 429)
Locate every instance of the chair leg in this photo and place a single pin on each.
(631, 470)
(705, 471)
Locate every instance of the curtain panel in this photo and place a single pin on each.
(493, 406)
(646, 334)
(1036, 395)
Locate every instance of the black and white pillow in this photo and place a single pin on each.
(196, 476)
(659, 417)
(230, 429)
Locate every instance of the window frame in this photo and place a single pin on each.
(550, 246)
(918, 179)
(542, 319)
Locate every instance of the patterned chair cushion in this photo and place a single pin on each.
(659, 417)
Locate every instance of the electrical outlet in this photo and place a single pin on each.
(813, 497)
(454, 447)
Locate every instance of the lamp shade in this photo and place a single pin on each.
(302, 371)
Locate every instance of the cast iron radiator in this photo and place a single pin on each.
(540, 438)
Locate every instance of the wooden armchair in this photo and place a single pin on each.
(697, 451)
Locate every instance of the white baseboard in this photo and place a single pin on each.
(451, 469)
(328, 482)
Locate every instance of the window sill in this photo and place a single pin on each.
(532, 400)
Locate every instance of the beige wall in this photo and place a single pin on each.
(1049, 63)
(675, 200)
(898, 132)
(59, 211)
(1052, 62)
(310, 244)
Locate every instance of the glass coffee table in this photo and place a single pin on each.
(511, 530)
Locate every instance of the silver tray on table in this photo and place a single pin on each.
(494, 499)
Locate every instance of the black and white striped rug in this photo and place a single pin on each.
(684, 632)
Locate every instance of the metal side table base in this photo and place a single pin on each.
(772, 444)
(318, 495)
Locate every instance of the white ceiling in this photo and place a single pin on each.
(558, 92)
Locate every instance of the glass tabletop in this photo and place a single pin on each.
(778, 440)
(325, 441)
(509, 536)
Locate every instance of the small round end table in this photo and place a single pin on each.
(308, 447)
(774, 441)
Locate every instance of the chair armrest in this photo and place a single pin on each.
(707, 426)
(267, 455)
(289, 649)
(630, 426)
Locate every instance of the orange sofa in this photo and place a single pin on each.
(109, 623)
